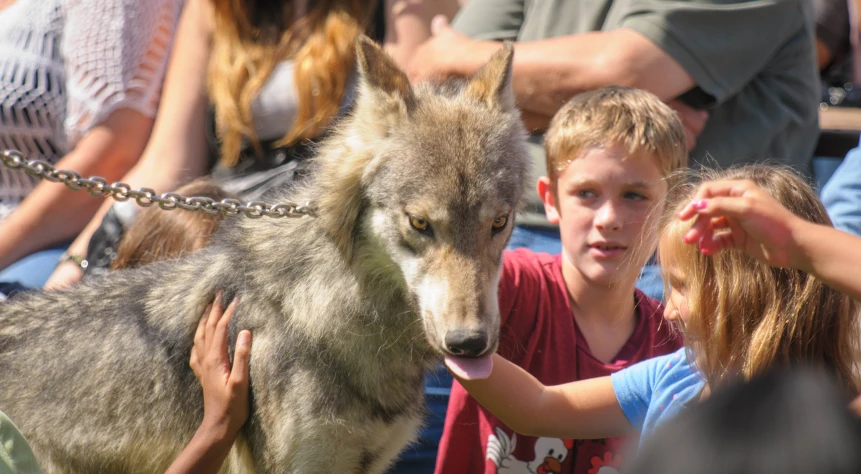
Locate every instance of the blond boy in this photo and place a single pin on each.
(578, 315)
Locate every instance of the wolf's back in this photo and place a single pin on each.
(91, 370)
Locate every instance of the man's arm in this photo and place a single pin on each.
(548, 72)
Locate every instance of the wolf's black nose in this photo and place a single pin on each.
(466, 343)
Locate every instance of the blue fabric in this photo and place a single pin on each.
(841, 195)
(823, 169)
(653, 391)
(420, 457)
(33, 270)
(536, 239)
(651, 282)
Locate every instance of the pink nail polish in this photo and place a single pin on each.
(699, 205)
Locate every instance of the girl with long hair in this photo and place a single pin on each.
(740, 317)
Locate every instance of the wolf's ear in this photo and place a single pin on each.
(381, 78)
(492, 83)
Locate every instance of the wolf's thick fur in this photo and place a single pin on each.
(347, 310)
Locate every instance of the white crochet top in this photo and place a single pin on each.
(66, 65)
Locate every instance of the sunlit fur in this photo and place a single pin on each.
(347, 310)
(746, 316)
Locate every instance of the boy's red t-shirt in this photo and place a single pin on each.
(539, 333)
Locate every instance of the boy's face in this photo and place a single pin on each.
(602, 201)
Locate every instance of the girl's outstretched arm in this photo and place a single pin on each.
(738, 214)
(585, 409)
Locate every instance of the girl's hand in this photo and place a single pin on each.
(738, 214)
(225, 390)
(65, 275)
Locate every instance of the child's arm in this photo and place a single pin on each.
(747, 218)
(225, 391)
(585, 409)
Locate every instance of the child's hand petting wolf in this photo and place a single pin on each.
(225, 390)
(740, 215)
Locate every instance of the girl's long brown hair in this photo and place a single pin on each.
(159, 235)
(746, 316)
(251, 36)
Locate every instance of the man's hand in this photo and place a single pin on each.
(436, 59)
(693, 120)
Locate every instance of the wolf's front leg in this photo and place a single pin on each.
(393, 441)
(301, 444)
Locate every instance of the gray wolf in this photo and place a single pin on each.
(416, 192)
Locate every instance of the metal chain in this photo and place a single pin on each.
(145, 197)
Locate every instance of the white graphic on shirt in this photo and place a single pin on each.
(549, 454)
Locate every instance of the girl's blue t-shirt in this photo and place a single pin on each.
(655, 390)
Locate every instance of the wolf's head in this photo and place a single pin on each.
(424, 193)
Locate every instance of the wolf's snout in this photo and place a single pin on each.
(466, 343)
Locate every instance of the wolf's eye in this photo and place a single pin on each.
(418, 223)
(499, 223)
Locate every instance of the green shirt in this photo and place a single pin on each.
(753, 63)
(16, 457)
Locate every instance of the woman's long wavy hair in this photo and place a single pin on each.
(746, 316)
(251, 36)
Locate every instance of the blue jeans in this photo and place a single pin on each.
(546, 240)
(33, 270)
(841, 194)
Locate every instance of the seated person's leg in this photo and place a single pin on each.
(33, 270)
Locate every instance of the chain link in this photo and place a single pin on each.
(145, 197)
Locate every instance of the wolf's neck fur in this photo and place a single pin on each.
(358, 307)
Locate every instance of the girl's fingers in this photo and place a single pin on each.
(201, 326)
(698, 229)
(214, 316)
(239, 373)
(219, 338)
(194, 362)
(726, 188)
(709, 192)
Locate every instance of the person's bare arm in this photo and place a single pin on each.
(738, 214)
(832, 255)
(548, 72)
(51, 213)
(585, 409)
(177, 151)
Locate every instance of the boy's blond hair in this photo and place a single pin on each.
(633, 118)
(747, 317)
